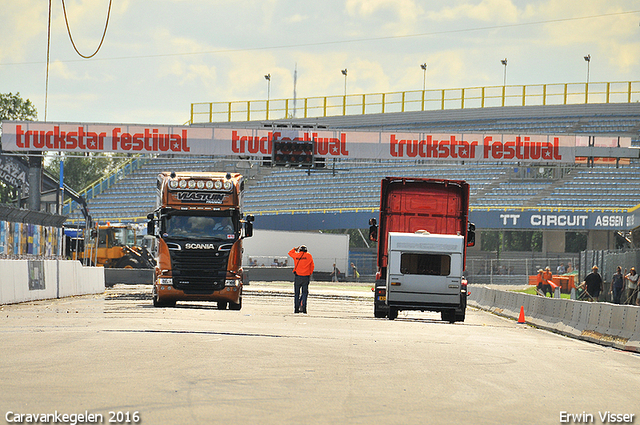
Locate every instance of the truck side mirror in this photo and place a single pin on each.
(248, 226)
(373, 230)
(151, 225)
(471, 235)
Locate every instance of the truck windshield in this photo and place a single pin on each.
(425, 264)
(190, 226)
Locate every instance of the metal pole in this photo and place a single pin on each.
(504, 79)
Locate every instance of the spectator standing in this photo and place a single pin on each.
(569, 268)
(561, 269)
(356, 274)
(617, 285)
(593, 283)
(302, 270)
(632, 287)
(335, 274)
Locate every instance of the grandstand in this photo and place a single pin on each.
(353, 184)
(345, 192)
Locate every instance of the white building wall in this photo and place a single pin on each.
(266, 245)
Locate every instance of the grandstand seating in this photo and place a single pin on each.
(355, 184)
(134, 196)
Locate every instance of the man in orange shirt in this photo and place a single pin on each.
(303, 268)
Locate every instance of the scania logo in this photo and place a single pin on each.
(199, 246)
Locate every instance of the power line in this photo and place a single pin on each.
(46, 85)
(336, 42)
(104, 33)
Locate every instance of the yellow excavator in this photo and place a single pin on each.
(112, 245)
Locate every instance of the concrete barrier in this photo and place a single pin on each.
(631, 327)
(129, 276)
(269, 274)
(602, 323)
(30, 280)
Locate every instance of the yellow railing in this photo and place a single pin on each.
(375, 210)
(471, 208)
(417, 100)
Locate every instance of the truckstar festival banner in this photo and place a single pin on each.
(190, 140)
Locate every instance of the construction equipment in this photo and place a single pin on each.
(111, 245)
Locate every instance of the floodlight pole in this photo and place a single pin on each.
(504, 79)
(344, 72)
(588, 60)
(586, 86)
(268, 78)
(344, 101)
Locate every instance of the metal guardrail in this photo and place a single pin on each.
(417, 100)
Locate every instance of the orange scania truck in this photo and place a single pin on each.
(199, 226)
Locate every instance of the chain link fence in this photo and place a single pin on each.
(514, 271)
(608, 261)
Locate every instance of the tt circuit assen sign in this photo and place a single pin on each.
(555, 220)
(186, 140)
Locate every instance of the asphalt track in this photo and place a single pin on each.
(194, 364)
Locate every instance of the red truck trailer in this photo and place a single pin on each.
(422, 235)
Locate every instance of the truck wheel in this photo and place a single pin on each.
(157, 302)
(128, 263)
(160, 303)
(448, 316)
(378, 313)
(234, 306)
(222, 305)
(393, 313)
(460, 315)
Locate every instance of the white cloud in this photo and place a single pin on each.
(58, 69)
(296, 18)
(386, 17)
(24, 26)
(159, 58)
(487, 11)
(403, 8)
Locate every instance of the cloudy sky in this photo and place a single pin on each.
(159, 56)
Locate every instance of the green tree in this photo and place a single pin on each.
(13, 107)
(490, 240)
(519, 241)
(81, 170)
(575, 241)
(522, 241)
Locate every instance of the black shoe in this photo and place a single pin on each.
(304, 311)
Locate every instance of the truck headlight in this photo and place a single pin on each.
(232, 282)
(165, 281)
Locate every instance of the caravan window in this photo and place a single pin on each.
(425, 264)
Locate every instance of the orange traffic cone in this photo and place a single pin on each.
(521, 317)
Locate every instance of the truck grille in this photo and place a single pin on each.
(199, 271)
